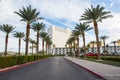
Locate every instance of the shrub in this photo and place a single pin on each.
(22, 59)
(111, 58)
(7, 61)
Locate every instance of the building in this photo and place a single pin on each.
(110, 50)
(59, 37)
(8, 53)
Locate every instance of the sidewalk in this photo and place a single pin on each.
(107, 71)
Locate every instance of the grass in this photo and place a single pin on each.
(113, 63)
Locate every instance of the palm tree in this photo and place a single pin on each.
(95, 14)
(103, 38)
(88, 46)
(107, 46)
(19, 35)
(49, 45)
(69, 42)
(38, 27)
(43, 35)
(28, 15)
(75, 34)
(114, 42)
(82, 28)
(32, 42)
(7, 29)
(47, 40)
(93, 46)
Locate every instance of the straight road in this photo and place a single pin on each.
(56, 68)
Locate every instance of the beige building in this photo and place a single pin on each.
(59, 35)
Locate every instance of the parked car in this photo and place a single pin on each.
(91, 54)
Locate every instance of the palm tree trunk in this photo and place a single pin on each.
(74, 45)
(93, 48)
(78, 47)
(46, 48)
(6, 44)
(19, 46)
(114, 47)
(43, 44)
(50, 49)
(84, 43)
(71, 48)
(104, 47)
(27, 38)
(32, 48)
(97, 39)
(37, 42)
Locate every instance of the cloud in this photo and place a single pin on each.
(111, 4)
(63, 9)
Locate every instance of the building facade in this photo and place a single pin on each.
(109, 49)
(59, 37)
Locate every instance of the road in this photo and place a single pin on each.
(56, 68)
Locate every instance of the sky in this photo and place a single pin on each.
(62, 13)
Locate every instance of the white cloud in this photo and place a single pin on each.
(111, 4)
(63, 9)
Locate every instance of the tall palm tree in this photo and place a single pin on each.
(19, 35)
(103, 38)
(43, 35)
(93, 46)
(38, 27)
(32, 42)
(49, 45)
(107, 46)
(7, 29)
(47, 40)
(69, 42)
(95, 14)
(114, 42)
(88, 46)
(75, 34)
(82, 28)
(28, 15)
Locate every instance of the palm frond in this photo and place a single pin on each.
(95, 14)
(7, 28)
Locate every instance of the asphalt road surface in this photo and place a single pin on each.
(56, 68)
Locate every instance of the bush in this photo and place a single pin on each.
(7, 61)
(22, 59)
(111, 58)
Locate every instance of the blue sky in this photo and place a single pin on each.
(62, 13)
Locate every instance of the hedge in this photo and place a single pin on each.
(108, 58)
(8, 61)
(111, 58)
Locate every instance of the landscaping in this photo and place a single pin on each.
(8, 61)
(110, 60)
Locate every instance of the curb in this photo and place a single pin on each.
(99, 76)
(19, 66)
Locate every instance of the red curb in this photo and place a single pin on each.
(19, 66)
(88, 70)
